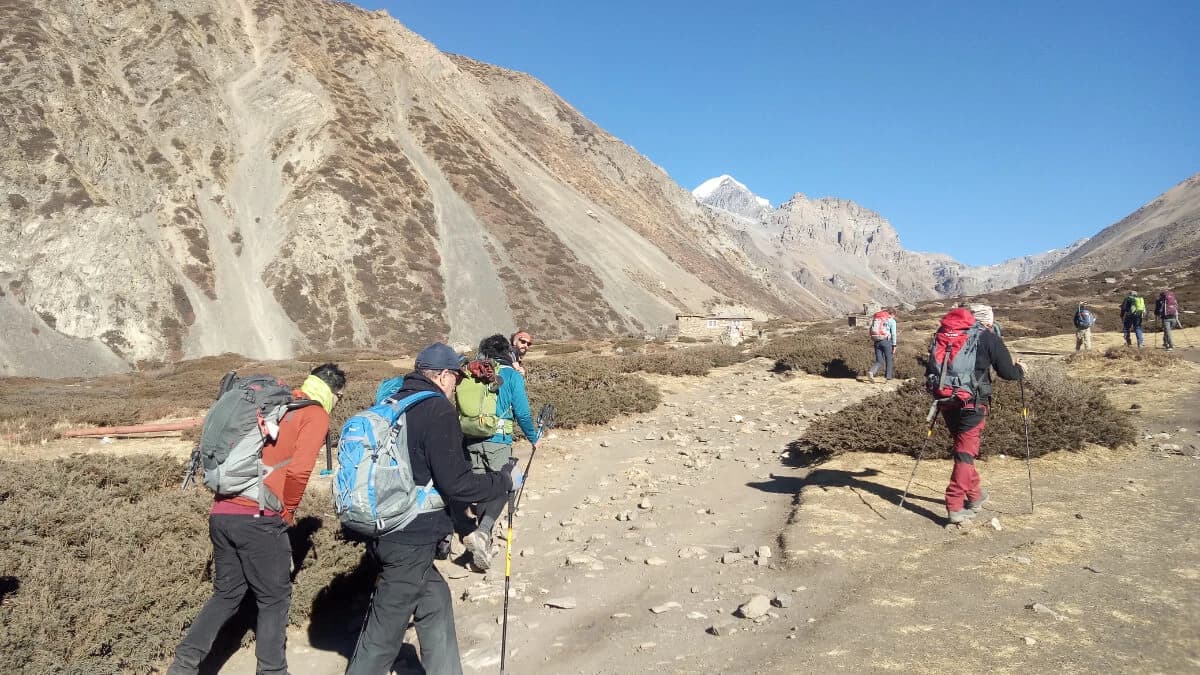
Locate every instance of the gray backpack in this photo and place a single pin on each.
(240, 423)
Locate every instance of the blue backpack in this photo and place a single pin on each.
(388, 388)
(373, 491)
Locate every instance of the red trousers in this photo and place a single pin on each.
(966, 427)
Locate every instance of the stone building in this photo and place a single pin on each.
(716, 328)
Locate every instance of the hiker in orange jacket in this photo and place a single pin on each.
(252, 551)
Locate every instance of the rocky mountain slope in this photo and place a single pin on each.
(1165, 231)
(836, 243)
(188, 177)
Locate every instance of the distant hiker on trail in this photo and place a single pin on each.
(250, 544)
(1084, 320)
(409, 586)
(521, 342)
(1132, 310)
(491, 454)
(883, 337)
(1166, 310)
(961, 359)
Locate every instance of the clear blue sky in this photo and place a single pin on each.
(983, 130)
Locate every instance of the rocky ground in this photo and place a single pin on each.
(689, 540)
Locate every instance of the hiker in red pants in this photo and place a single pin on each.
(965, 351)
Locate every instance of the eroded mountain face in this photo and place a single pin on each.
(188, 177)
(847, 254)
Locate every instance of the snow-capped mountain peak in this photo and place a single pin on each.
(726, 193)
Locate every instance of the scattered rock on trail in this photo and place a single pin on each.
(561, 603)
(722, 628)
(782, 600)
(1029, 641)
(655, 562)
(731, 557)
(666, 607)
(1039, 608)
(645, 503)
(755, 607)
(763, 552)
(996, 524)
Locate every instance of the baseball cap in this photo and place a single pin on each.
(438, 356)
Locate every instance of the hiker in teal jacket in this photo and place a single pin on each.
(493, 454)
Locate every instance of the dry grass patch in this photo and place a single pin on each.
(587, 391)
(680, 362)
(839, 356)
(105, 563)
(1065, 414)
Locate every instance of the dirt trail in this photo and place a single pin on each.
(1111, 551)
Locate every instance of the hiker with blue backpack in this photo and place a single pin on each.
(258, 446)
(1084, 320)
(1132, 310)
(400, 464)
(962, 355)
(488, 408)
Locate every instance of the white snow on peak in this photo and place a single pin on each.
(705, 189)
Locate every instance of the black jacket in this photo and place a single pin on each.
(435, 449)
(992, 353)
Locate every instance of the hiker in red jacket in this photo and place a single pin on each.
(964, 405)
(252, 551)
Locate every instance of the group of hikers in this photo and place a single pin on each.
(408, 489)
(1133, 309)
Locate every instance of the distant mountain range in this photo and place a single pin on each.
(835, 243)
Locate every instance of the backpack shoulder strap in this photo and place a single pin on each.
(409, 401)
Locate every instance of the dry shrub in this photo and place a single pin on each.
(1148, 357)
(629, 343)
(106, 564)
(845, 356)
(587, 391)
(678, 362)
(561, 348)
(1065, 414)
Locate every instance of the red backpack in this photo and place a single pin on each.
(1171, 305)
(879, 329)
(950, 372)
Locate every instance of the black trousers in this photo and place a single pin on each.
(248, 553)
(409, 587)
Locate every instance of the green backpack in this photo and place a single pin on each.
(476, 398)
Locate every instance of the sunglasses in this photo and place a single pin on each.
(525, 343)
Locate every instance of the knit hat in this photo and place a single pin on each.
(983, 313)
(438, 356)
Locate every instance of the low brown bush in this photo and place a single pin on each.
(106, 563)
(678, 362)
(587, 391)
(1065, 414)
(845, 356)
(561, 348)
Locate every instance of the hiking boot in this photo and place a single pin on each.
(443, 548)
(957, 517)
(480, 547)
(977, 504)
(870, 377)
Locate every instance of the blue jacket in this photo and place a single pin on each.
(513, 404)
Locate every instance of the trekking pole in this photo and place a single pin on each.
(545, 420)
(328, 470)
(1028, 466)
(507, 583)
(931, 417)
